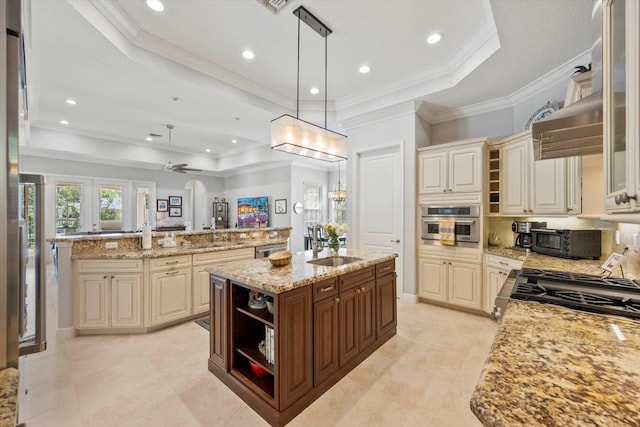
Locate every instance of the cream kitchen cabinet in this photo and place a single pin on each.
(200, 302)
(452, 172)
(170, 289)
(109, 294)
(531, 187)
(450, 275)
(621, 105)
(497, 269)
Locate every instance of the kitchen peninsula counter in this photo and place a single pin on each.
(551, 366)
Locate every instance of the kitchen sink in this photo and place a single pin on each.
(334, 261)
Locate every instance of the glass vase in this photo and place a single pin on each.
(334, 245)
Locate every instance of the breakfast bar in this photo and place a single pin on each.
(327, 314)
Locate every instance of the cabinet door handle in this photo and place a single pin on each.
(104, 277)
(444, 190)
(337, 300)
(168, 273)
(394, 241)
(328, 288)
(362, 289)
(171, 262)
(503, 263)
(524, 210)
(357, 291)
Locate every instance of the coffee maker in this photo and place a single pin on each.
(524, 239)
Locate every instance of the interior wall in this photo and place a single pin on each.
(397, 128)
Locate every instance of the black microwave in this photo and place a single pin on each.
(567, 243)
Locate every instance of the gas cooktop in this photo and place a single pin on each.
(584, 292)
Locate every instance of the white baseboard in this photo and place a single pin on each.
(64, 334)
(409, 298)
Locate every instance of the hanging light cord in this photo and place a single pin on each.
(298, 76)
(325, 86)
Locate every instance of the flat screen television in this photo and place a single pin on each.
(253, 212)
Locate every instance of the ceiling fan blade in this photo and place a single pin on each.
(179, 165)
(178, 170)
(190, 169)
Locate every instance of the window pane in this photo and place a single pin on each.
(312, 205)
(111, 207)
(68, 207)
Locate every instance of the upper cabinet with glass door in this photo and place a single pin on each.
(621, 104)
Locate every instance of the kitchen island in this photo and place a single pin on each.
(551, 366)
(324, 320)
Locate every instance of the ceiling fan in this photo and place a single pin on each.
(177, 167)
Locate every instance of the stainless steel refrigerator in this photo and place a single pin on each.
(15, 266)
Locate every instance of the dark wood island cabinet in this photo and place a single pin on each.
(324, 322)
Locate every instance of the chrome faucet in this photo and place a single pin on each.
(314, 244)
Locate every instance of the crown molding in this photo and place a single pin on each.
(387, 113)
(557, 75)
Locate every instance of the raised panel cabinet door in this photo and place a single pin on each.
(367, 315)
(515, 181)
(465, 170)
(126, 300)
(349, 325)
(432, 277)
(93, 300)
(386, 304)
(200, 290)
(574, 185)
(325, 339)
(494, 278)
(464, 285)
(170, 295)
(294, 335)
(548, 185)
(218, 339)
(432, 172)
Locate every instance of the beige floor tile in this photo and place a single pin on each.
(423, 376)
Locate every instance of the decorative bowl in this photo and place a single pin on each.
(279, 259)
(257, 369)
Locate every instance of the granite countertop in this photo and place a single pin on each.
(8, 396)
(261, 274)
(177, 250)
(552, 366)
(534, 260)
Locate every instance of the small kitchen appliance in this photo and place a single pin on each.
(567, 243)
(584, 292)
(524, 239)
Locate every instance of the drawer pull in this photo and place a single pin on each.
(337, 300)
(357, 291)
(503, 263)
(171, 262)
(328, 288)
(172, 272)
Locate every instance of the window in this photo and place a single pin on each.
(339, 212)
(110, 207)
(312, 207)
(68, 207)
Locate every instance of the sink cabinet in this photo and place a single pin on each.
(320, 333)
(109, 294)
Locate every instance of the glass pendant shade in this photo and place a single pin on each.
(339, 194)
(295, 136)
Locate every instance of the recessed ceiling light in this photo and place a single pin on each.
(208, 150)
(71, 101)
(364, 69)
(314, 90)
(64, 122)
(234, 141)
(155, 5)
(247, 54)
(149, 139)
(434, 38)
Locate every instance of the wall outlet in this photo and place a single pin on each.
(243, 235)
(111, 245)
(617, 237)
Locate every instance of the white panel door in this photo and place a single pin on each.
(380, 210)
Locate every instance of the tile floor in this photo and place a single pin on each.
(424, 376)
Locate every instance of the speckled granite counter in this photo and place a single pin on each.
(533, 260)
(8, 396)
(550, 366)
(261, 274)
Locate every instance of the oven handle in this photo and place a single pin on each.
(473, 221)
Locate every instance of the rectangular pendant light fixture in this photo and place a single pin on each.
(292, 135)
(296, 136)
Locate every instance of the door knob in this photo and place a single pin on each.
(394, 241)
